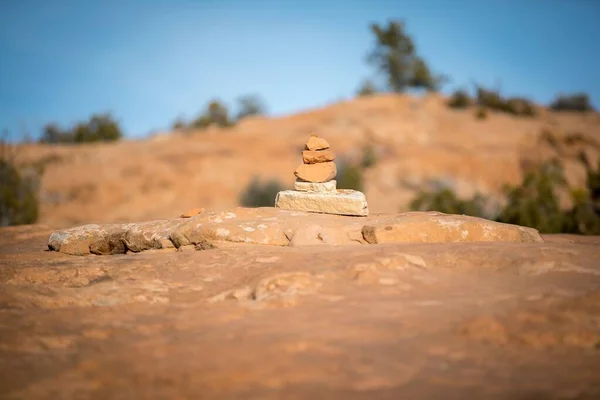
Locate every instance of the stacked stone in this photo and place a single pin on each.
(317, 171)
(315, 187)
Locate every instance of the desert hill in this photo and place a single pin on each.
(256, 302)
(416, 139)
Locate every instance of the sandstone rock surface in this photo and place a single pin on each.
(276, 226)
(318, 187)
(436, 227)
(494, 320)
(321, 172)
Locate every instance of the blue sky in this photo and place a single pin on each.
(150, 61)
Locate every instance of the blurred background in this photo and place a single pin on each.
(118, 111)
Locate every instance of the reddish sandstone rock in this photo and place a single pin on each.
(435, 227)
(319, 156)
(316, 143)
(192, 212)
(321, 172)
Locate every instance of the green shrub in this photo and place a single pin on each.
(259, 194)
(592, 182)
(99, 128)
(179, 125)
(216, 113)
(575, 102)
(460, 99)
(481, 113)
(584, 217)
(18, 193)
(534, 202)
(367, 88)
(489, 98)
(250, 105)
(349, 176)
(494, 101)
(444, 200)
(520, 106)
(369, 158)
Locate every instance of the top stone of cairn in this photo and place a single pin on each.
(315, 189)
(316, 143)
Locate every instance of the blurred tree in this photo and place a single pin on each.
(216, 113)
(18, 193)
(520, 106)
(489, 98)
(99, 128)
(369, 158)
(250, 105)
(395, 57)
(52, 134)
(367, 88)
(481, 113)
(349, 176)
(178, 124)
(574, 102)
(258, 194)
(423, 78)
(534, 202)
(593, 181)
(444, 200)
(584, 217)
(460, 99)
(492, 100)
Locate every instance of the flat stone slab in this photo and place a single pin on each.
(342, 202)
(325, 187)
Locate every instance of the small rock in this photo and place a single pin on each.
(165, 243)
(108, 246)
(316, 143)
(319, 156)
(188, 247)
(192, 212)
(321, 172)
(324, 187)
(77, 241)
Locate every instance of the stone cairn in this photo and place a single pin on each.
(315, 189)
